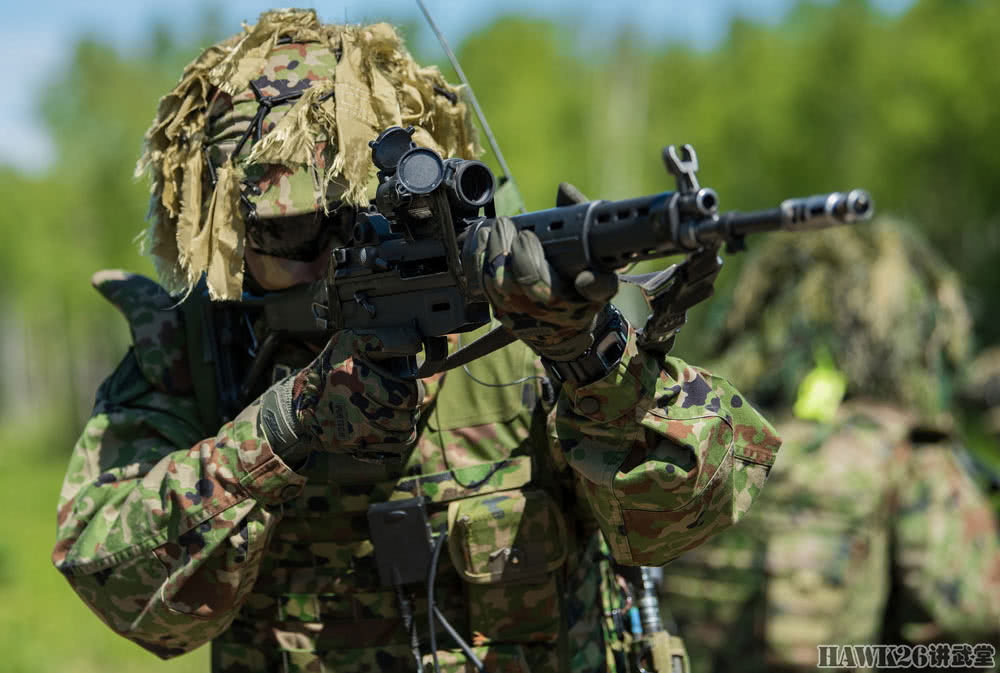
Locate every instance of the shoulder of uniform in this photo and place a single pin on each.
(130, 293)
(694, 393)
(697, 388)
(157, 326)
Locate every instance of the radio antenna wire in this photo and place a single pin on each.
(507, 176)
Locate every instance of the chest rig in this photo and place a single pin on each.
(482, 473)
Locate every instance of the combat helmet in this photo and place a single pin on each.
(875, 302)
(273, 125)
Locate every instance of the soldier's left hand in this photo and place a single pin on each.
(532, 300)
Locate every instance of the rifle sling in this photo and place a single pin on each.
(494, 340)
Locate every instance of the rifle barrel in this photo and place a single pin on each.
(612, 234)
(804, 214)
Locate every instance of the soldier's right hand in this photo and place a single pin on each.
(342, 402)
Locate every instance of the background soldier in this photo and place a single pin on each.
(981, 389)
(224, 488)
(871, 531)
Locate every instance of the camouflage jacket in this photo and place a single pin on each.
(894, 544)
(177, 534)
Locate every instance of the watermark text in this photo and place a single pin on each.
(920, 657)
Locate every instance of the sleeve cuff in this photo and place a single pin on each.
(620, 390)
(265, 476)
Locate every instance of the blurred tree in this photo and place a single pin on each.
(535, 92)
(839, 96)
(60, 338)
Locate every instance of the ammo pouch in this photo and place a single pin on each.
(507, 547)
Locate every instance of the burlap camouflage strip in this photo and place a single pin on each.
(350, 83)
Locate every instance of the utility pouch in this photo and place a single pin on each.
(508, 547)
(506, 536)
(402, 540)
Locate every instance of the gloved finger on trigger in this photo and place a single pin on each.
(386, 391)
(596, 286)
(398, 425)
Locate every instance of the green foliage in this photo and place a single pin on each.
(97, 112)
(535, 99)
(83, 215)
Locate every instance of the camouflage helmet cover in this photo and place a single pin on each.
(275, 122)
(876, 298)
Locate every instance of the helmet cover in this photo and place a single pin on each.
(874, 299)
(275, 123)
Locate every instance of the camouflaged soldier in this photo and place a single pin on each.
(870, 531)
(981, 389)
(220, 490)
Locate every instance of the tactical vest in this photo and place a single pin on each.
(483, 465)
(526, 579)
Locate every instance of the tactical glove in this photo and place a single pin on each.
(553, 316)
(342, 402)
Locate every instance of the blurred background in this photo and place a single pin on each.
(780, 98)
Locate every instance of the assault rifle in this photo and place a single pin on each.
(407, 267)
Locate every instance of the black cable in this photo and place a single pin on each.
(461, 643)
(433, 611)
(432, 574)
(409, 625)
(476, 484)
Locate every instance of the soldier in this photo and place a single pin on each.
(981, 389)
(979, 398)
(892, 543)
(223, 489)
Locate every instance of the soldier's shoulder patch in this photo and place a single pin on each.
(157, 326)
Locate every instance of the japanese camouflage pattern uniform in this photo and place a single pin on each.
(894, 543)
(276, 122)
(174, 546)
(178, 529)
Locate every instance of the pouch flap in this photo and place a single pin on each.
(506, 536)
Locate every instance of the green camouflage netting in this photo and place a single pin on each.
(334, 88)
(875, 299)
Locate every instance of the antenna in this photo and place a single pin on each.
(475, 105)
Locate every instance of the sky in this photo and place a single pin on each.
(38, 35)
